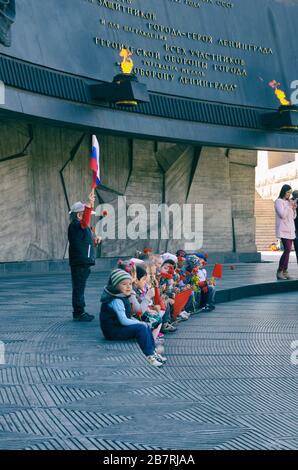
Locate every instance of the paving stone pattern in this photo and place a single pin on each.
(228, 383)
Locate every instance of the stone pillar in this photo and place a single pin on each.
(211, 187)
(242, 165)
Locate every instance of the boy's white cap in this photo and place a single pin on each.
(79, 207)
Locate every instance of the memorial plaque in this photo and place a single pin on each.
(224, 51)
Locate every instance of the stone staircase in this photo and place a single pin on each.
(265, 223)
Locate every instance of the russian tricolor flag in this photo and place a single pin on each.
(94, 162)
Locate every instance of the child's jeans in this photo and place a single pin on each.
(193, 302)
(142, 333)
(211, 295)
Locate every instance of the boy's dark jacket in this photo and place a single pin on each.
(108, 317)
(81, 245)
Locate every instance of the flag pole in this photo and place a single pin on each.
(93, 189)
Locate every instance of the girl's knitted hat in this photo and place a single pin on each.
(201, 256)
(118, 275)
(126, 265)
(192, 262)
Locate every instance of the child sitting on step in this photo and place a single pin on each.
(207, 286)
(142, 301)
(116, 317)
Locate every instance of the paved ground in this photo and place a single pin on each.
(228, 384)
(236, 275)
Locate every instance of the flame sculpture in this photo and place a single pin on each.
(281, 96)
(127, 62)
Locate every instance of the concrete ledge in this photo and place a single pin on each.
(34, 267)
(106, 264)
(247, 277)
(255, 290)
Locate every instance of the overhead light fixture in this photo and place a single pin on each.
(285, 118)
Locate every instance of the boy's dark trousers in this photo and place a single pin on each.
(79, 276)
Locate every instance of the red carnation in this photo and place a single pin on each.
(104, 213)
(206, 255)
(147, 250)
(166, 276)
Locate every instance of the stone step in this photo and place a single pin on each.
(265, 213)
(265, 223)
(265, 233)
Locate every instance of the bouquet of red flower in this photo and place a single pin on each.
(164, 275)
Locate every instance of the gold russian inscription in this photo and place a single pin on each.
(180, 63)
(185, 61)
(229, 87)
(227, 69)
(153, 74)
(178, 33)
(245, 46)
(118, 7)
(144, 34)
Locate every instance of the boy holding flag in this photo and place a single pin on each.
(81, 254)
(82, 241)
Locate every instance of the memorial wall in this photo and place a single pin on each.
(219, 50)
(207, 65)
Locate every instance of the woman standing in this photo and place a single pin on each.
(285, 212)
(295, 197)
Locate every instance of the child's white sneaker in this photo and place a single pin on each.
(160, 358)
(153, 361)
(187, 314)
(183, 316)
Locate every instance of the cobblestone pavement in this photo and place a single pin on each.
(228, 384)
